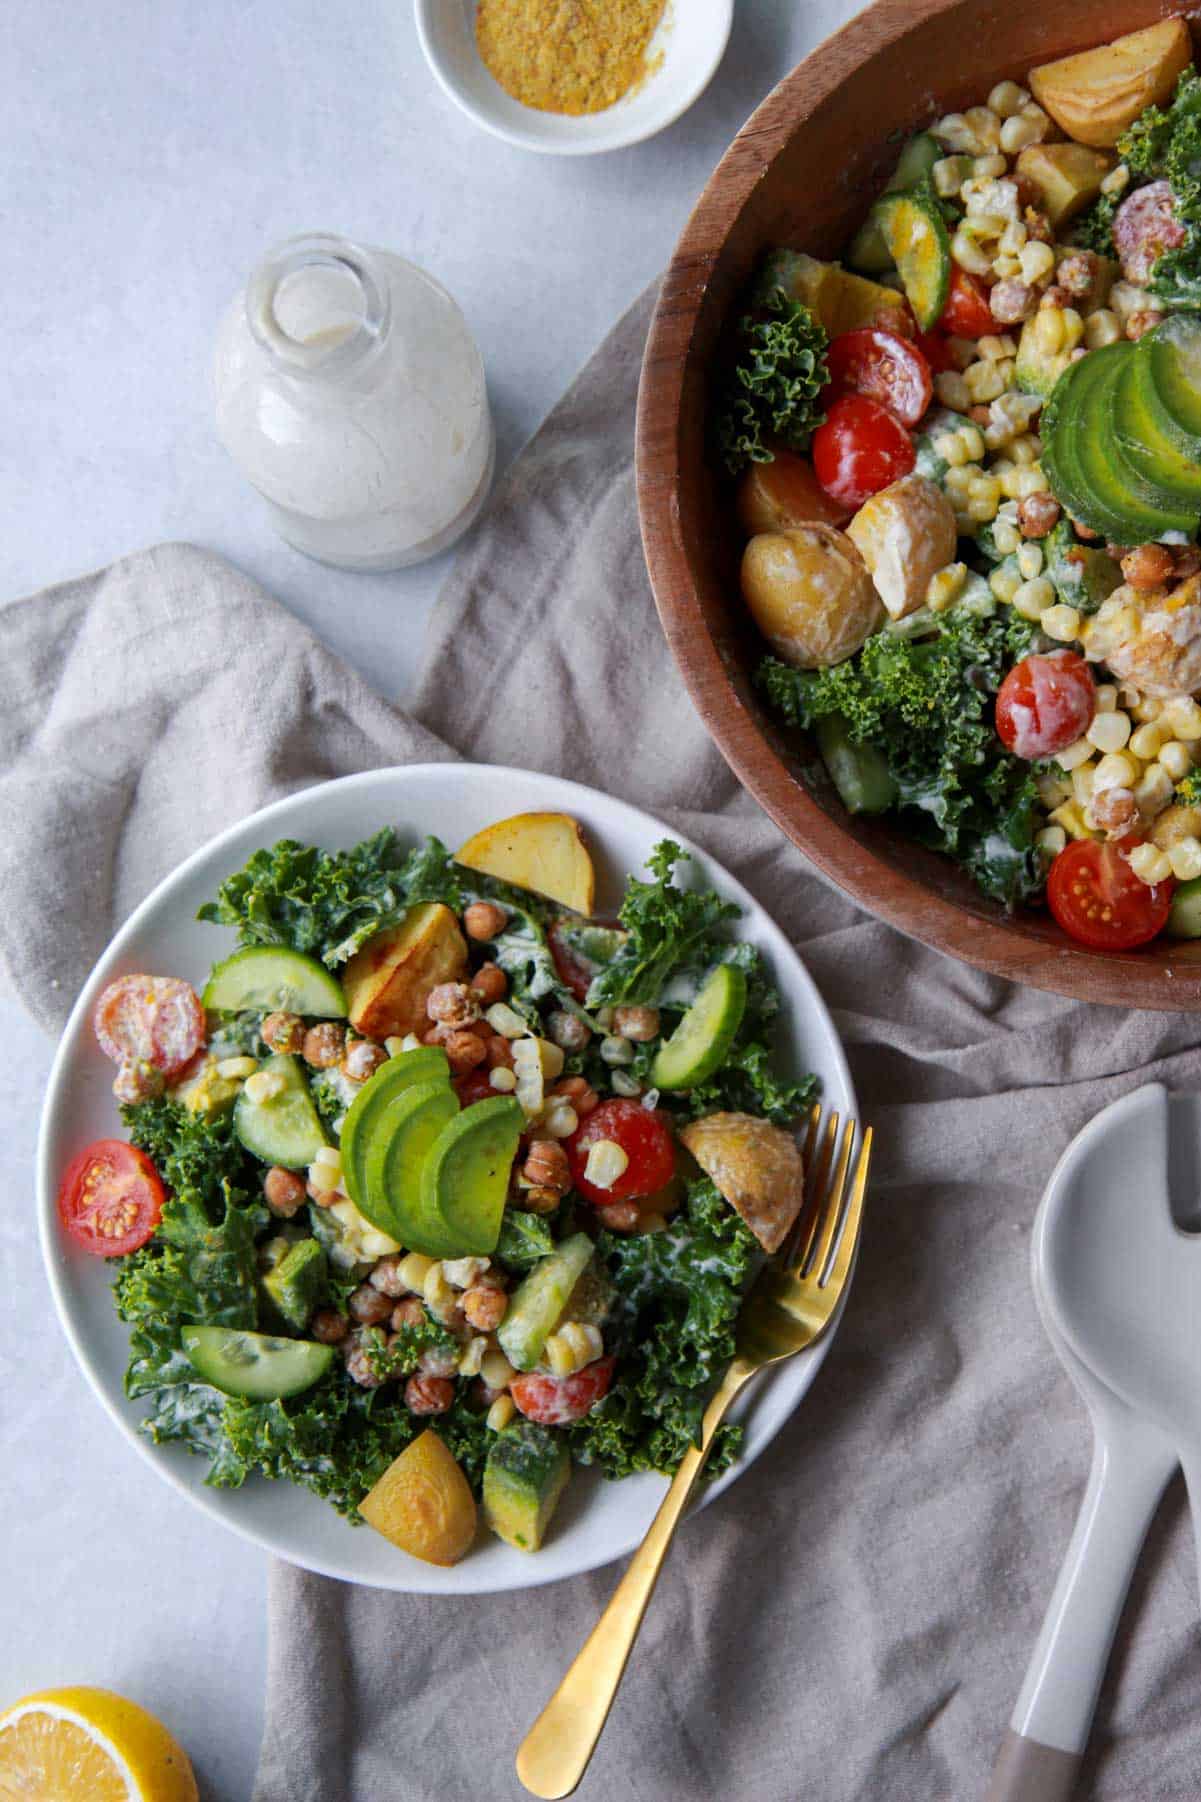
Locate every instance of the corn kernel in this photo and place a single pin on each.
(505, 1021)
(990, 167)
(1105, 696)
(1084, 781)
(606, 1162)
(1052, 840)
(616, 1050)
(472, 1355)
(1046, 329)
(1006, 536)
(1013, 239)
(1145, 741)
(1034, 597)
(950, 173)
(1144, 708)
(1153, 791)
(500, 1414)
(1117, 769)
(1006, 267)
(1126, 298)
(967, 252)
(413, 1269)
(1027, 449)
(1052, 789)
(986, 126)
(993, 348)
(1101, 328)
(496, 1370)
(330, 1158)
(1073, 328)
(1030, 560)
(265, 1085)
(1004, 583)
(560, 1121)
(1184, 717)
(952, 390)
(947, 445)
(1073, 755)
(1150, 864)
(985, 381)
(972, 440)
(462, 1273)
(1071, 819)
(503, 1080)
(1116, 181)
(1108, 731)
(624, 1084)
(1176, 759)
(1037, 261)
(322, 1178)
(437, 1293)
(231, 1068)
(1019, 130)
(1007, 98)
(945, 587)
(1061, 622)
(1185, 859)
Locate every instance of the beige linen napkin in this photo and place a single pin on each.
(853, 1618)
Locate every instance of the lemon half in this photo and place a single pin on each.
(89, 1745)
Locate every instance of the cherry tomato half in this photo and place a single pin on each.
(110, 1201)
(575, 971)
(967, 313)
(1097, 898)
(937, 352)
(557, 1401)
(860, 449)
(151, 1020)
(1045, 704)
(886, 368)
(646, 1139)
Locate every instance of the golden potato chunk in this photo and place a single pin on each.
(842, 301)
(757, 1167)
(905, 534)
(540, 851)
(809, 594)
(1068, 176)
(423, 1503)
(776, 496)
(388, 981)
(1096, 94)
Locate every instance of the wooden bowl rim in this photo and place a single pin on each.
(1002, 947)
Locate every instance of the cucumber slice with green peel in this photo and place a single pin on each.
(1146, 511)
(465, 1179)
(701, 1042)
(527, 1471)
(397, 1153)
(860, 773)
(869, 252)
(428, 1063)
(1172, 353)
(1148, 439)
(1184, 921)
(265, 978)
(285, 1129)
(539, 1300)
(915, 233)
(255, 1365)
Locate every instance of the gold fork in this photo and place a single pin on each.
(789, 1306)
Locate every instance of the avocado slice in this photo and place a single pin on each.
(1144, 508)
(398, 1154)
(538, 1302)
(426, 1064)
(1149, 439)
(526, 1473)
(294, 1286)
(466, 1175)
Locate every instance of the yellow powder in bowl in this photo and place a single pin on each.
(567, 56)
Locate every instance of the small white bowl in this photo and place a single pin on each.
(691, 41)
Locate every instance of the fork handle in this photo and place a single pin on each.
(1041, 1753)
(555, 1752)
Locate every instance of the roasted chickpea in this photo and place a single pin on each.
(324, 1045)
(484, 920)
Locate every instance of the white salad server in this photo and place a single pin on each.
(1099, 1238)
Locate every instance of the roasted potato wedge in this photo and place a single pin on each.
(905, 534)
(1068, 176)
(545, 852)
(757, 1167)
(388, 981)
(1095, 95)
(423, 1503)
(776, 496)
(809, 594)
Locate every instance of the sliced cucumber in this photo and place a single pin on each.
(1184, 921)
(465, 1178)
(868, 251)
(860, 773)
(914, 231)
(540, 1299)
(1148, 439)
(701, 1042)
(428, 1063)
(256, 1365)
(401, 1145)
(1145, 511)
(286, 1129)
(267, 977)
(1173, 354)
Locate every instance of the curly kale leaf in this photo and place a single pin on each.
(328, 903)
(401, 1357)
(1093, 230)
(1188, 791)
(678, 1296)
(772, 390)
(1164, 143)
(194, 1154)
(670, 929)
(927, 706)
(747, 1084)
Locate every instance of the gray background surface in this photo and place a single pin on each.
(150, 152)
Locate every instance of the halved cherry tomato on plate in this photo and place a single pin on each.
(1045, 703)
(643, 1135)
(860, 449)
(1097, 898)
(111, 1200)
(150, 1019)
(886, 368)
(967, 313)
(557, 1401)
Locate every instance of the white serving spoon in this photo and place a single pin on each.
(1134, 1455)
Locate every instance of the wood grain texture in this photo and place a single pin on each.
(802, 172)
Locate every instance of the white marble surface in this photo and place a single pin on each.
(152, 149)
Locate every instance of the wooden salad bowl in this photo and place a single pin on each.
(802, 172)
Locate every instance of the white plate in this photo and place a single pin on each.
(690, 42)
(598, 1521)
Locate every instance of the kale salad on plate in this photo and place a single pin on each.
(438, 1185)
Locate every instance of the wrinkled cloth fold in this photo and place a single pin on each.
(852, 1620)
